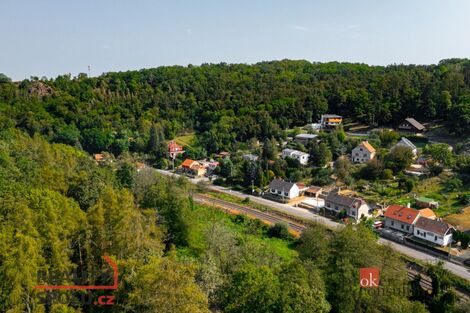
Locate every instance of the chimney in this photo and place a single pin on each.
(408, 205)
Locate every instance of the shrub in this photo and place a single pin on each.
(279, 230)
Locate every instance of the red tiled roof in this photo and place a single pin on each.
(173, 146)
(187, 163)
(401, 213)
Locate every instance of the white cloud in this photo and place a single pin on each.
(300, 28)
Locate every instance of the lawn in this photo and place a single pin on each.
(203, 217)
(186, 140)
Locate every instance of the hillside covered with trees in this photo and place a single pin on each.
(228, 103)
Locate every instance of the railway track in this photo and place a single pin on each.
(271, 217)
(264, 216)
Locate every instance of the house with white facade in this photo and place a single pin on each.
(363, 152)
(407, 143)
(434, 231)
(284, 189)
(305, 138)
(354, 207)
(302, 157)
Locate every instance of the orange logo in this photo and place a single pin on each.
(369, 277)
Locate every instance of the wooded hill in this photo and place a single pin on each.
(226, 103)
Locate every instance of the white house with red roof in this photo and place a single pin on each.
(174, 149)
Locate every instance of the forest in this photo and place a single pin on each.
(230, 103)
(60, 211)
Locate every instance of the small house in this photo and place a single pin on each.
(313, 192)
(223, 155)
(434, 231)
(302, 157)
(193, 168)
(305, 138)
(363, 152)
(284, 189)
(400, 218)
(424, 202)
(250, 157)
(411, 125)
(354, 207)
(174, 149)
(404, 142)
(329, 121)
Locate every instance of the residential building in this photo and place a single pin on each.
(404, 142)
(313, 191)
(417, 170)
(354, 207)
(223, 155)
(434, 231)
(250, 157)
(174, 149)
(305, 138)
(283, 189)
(424, 202)
(411, 125)
(428, 213)
(363, 152)
(401, 218)
(193, 168)
(302, 157)
(329, 121)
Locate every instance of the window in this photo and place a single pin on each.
(402, 226)
(435, 238)
(392, 223)
(328, 205)
(417, 232)
(365, 155)
(286, 194)
(407, 227)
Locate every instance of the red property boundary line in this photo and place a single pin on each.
(114, 286)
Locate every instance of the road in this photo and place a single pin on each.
(458, 270)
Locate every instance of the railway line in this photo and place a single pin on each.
(295, 227)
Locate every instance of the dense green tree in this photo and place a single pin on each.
(253, 290)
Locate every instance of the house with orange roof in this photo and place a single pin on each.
(363, 152)
(193, 168)
(428, 213)
(401, 218)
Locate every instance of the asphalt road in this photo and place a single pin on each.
(458, 270)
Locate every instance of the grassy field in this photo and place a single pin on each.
(186, 140)
(203, 217)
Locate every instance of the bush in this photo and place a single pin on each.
(279, 230)
(246, 200)
(218, 181)
(387, 174)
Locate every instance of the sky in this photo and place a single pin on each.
(55, 37)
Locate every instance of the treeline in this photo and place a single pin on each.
(229, 103)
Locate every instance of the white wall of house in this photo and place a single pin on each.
(295, 154)
(432, 237)
(398, 225)
(290, 194)
(361, 155)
